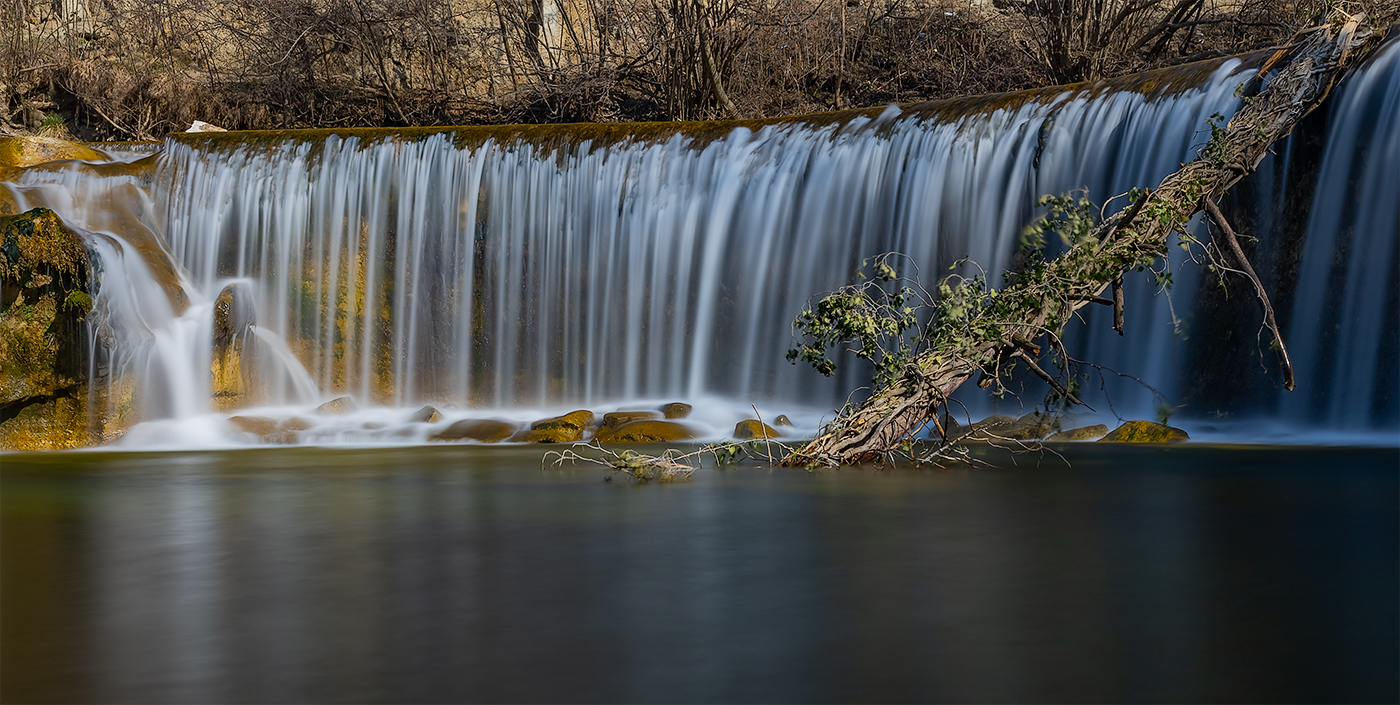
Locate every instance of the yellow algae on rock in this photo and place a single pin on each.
(559, 429)
(28, 151)
(618, 418)
(1087, 433)
(753, 428)
(1145, 432)
(646, 431)
(43, 347)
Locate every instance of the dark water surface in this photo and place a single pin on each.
(470, 574)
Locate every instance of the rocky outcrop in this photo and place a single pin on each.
(479, 430)
(750, 429)
(1086, 433)
(28, 151)
(44, 301)
(1145, 432)
(232, 382)
(646, 431)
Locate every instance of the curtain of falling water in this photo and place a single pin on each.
(510, 273)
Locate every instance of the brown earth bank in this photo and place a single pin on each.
(127, 69)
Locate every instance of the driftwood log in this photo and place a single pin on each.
(1290, 85)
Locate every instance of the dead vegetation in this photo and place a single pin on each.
(124, 69)
(977, 330)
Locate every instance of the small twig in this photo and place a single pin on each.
(1053, 382)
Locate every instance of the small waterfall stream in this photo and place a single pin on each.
(476, 269)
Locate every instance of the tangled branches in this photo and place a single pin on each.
(977, 329)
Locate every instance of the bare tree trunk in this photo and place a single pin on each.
(1133, 235)
(711, 69)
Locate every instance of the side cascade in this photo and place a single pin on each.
(478, 270)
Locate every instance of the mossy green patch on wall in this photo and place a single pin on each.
(44, 300)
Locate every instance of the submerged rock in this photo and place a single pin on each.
(987, 429)
(1145, 432)
(618, 418)
(1031, 427)
(28, 151)
(256, 425)
(676, 410)
(296, 423)
(479, 430)
(272, 431)
(646, 431)
(427, 414)
(1086, 433)
(753, 428)
(782, 420)
(560, 429)
(337, 407)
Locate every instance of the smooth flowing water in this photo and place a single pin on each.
(460, 574)
(524, 272)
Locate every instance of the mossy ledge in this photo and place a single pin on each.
(45, 296)
(1152, 85)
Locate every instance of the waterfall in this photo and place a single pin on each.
(542, 268)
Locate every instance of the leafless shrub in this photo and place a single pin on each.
(137, 69)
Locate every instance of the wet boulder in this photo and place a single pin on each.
(256, 425)
(1145, 432)
(1086, 433)
(296, 423)
(782, 420)
(337, 407)
(479, 430)
(618, 418)
(676, 410)
(427, 414)
(646, 431)
(559, 429)
(754, 429)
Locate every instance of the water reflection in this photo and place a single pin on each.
(468, 575)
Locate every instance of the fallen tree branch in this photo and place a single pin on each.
(979, 327)
(1259, 293)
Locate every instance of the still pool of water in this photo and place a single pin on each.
(1189, 573)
